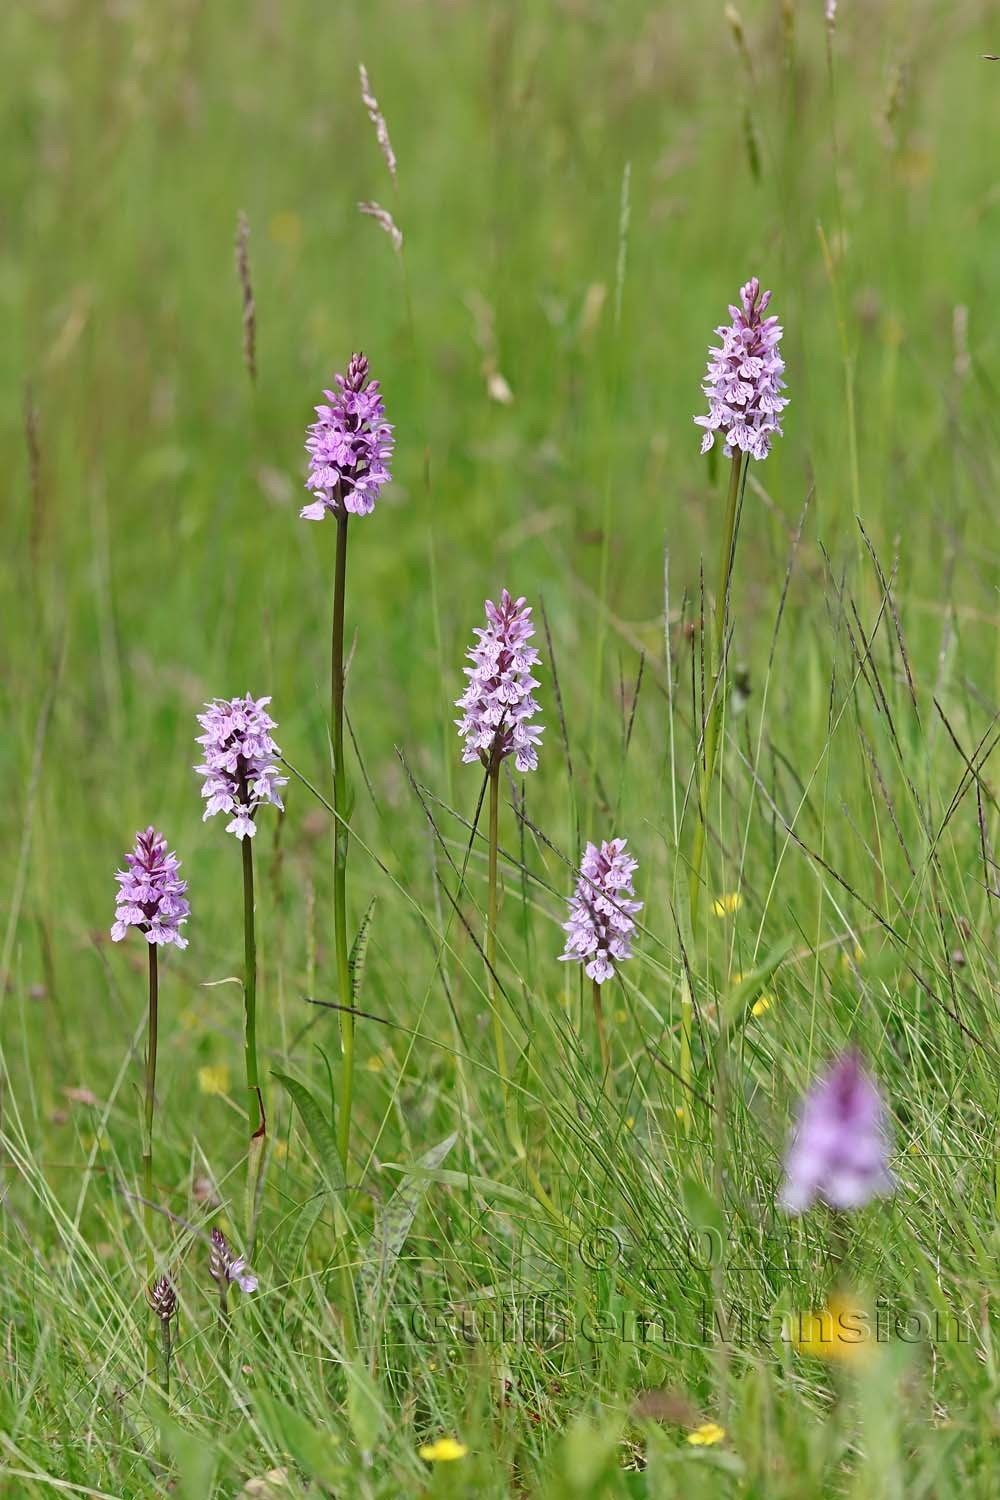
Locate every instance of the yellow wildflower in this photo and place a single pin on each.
(727, 904)
(214, 1080)
(840, 1333)
(443, 1450)
(763, 1004)
(706, 1435)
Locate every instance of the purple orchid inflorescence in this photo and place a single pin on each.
(601, 910)
(743, 381)
(498, 702)
(240, 771)
(226, 1267)
(349, 447)
(151, 895)
(840, 1148)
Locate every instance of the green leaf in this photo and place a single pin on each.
(742, 995)
(364, 1407)
(488, 1186)
(395, 1220)
(313, 1449)
(255, 1165)
(705, 1218)
(305, 1222)
(195, 1457)
(324, 1142)
(359, 952)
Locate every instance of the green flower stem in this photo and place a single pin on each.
(165, 1343)
(491, 924)
(716, 695)
(255, 1098)
(716, 699)
(224, 1326)
(513, 1129)
(602, 1038)
(147, 1151)
(341, 839)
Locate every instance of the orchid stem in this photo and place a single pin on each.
(256, 1109)
(147, 1154)
(491, 924)
(341, 839)
(256, 1117)
(602, 1038)
(713, 725)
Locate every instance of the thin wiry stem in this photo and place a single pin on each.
(715, 695)
(255, 1100)
(224, 1325)
(165, 1342)
(341, 838)
(602, 1037)
(713, 724)
(147, 1153)
(491, 921)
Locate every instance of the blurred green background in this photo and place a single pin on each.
(161, 540)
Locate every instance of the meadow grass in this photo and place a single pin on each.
(541, 1268)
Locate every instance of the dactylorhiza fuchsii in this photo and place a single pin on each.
(840, 1147)
(602, 910)
(240, 771)
(743, 384)
(350, 449)
(498, 702)
(226, 1267)
(743, 381)
(151, 894)
(153, 898)
(497, 707)
(349, 445)
(162, 1300)
(240, 775)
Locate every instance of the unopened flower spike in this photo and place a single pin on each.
(602, 910)
(240, 768)
(151, 894)
(498, 703)
(349, 446)
(840, 1147)
(162, 1298)
(743, 381)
